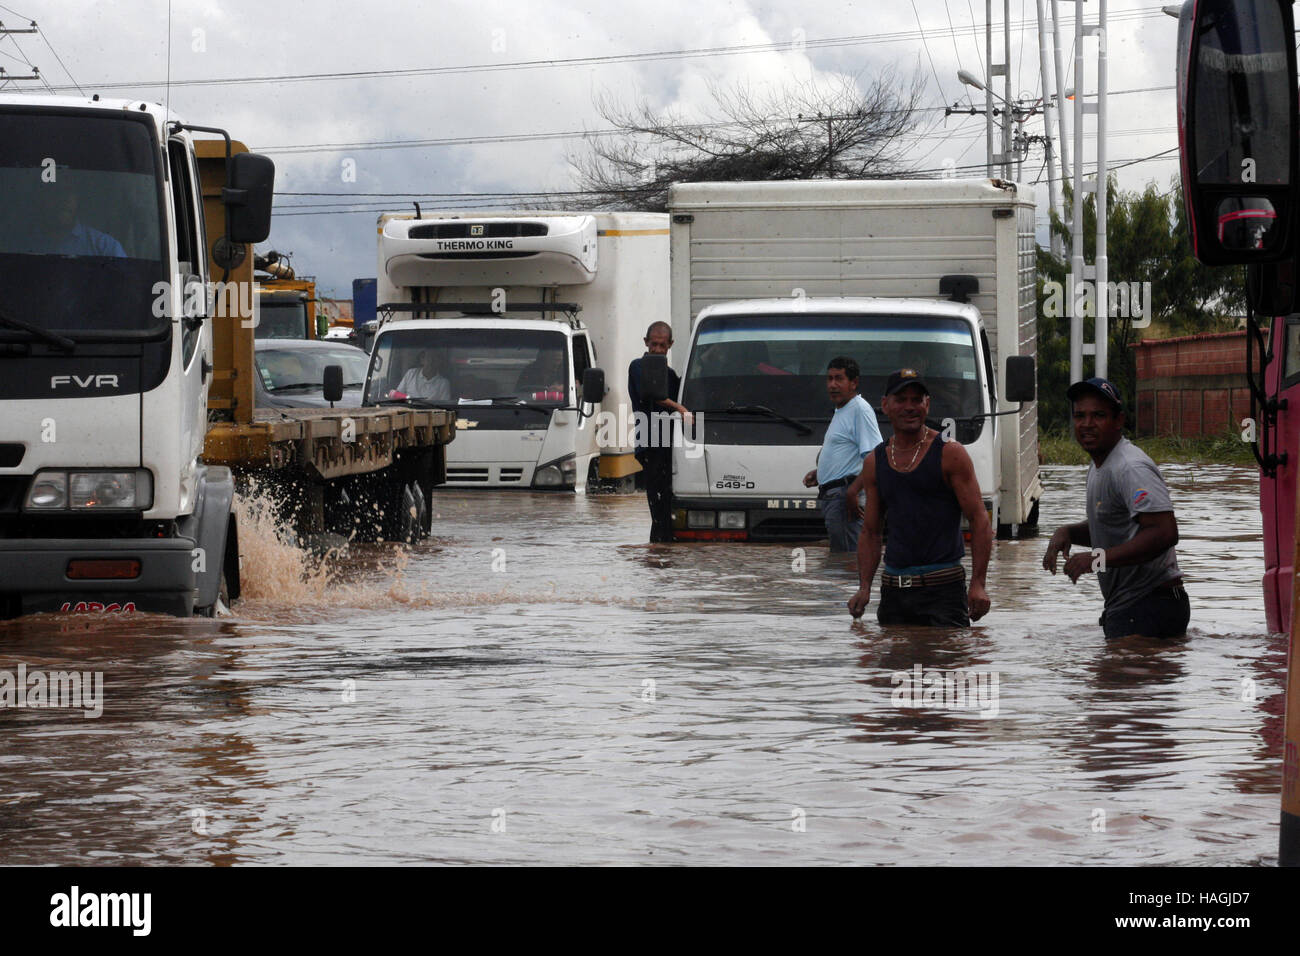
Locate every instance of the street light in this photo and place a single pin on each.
(970, 80)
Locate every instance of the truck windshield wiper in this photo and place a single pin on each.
(734, 409)
(53, 338)
(285, 388)
(512, 402)
(418, 402)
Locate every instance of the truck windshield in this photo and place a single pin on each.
(472, 365)
(779, 361)
(81, 244)
(281, 319)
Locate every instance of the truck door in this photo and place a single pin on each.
(191, 255)
(1277, 495)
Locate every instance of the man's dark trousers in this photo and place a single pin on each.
(658, 465)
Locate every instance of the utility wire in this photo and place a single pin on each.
(829, 42)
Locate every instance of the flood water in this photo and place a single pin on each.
(536, 684)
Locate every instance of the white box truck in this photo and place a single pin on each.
(771, 280)
(511, 311)
(106, 358)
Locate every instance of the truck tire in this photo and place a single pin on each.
(401, 519)
(425, 512)
(1030, 528)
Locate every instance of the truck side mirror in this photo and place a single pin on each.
(248, 197)
(593, 386)
(1022, 378)
(333, 383)
(654, 378)
(1238, 127)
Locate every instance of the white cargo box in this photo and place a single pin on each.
(536, 251)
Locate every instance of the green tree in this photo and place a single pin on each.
(1146, 241)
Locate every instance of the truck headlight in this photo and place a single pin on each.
(731, 519)
(49, 491)
(556, 474)
(91, 491)
(701, 519)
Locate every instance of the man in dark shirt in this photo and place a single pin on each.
(653, 444)
(925, 484)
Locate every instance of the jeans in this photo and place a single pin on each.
(940, 605)
(842, 533)
(1162, 613)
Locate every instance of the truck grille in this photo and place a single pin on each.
(779, 526)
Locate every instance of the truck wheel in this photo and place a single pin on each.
(223, 599)
(1030, 528)
(425, 513)
(401, 521)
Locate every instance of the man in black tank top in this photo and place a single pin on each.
(925, 485)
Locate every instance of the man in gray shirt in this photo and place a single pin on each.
(1131, 530)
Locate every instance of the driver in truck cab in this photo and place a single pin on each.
(64, 234)
(425, 379)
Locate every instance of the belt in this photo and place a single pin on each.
(945, 576)
(837, 483)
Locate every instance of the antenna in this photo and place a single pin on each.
(167, 99)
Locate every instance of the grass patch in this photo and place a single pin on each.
(1058, 448)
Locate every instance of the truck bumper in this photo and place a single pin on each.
(34, 576)
(764, 519)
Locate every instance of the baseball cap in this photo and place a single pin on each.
(1098, 386)
(902, 378)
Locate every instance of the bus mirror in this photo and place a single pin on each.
(593, 386)
(654, 378)
(1238, 128)
(1022, 384)
(248, 197)
(333, 383)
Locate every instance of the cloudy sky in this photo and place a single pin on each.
(347, 96)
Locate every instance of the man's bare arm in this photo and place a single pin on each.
(869, 543)
(959, 473)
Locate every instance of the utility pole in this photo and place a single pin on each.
(999, 164)
(1053, 193)
(1079, 270)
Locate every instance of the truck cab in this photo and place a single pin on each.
(106, 359)
(756, 380)
(524, 324)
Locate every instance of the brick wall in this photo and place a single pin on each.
(1192, 385)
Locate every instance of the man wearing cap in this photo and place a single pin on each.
(1131, 531)
(924, 484)
(850, 436)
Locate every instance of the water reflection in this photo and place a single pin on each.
(617, 701)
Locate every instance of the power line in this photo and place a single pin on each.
(541, 136)
(506, 199)
(926, 44)
(783, 46)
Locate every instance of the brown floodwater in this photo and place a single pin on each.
(537, 685)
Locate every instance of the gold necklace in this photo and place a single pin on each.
(911, 463)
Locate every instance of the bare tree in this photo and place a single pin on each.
(802, 132)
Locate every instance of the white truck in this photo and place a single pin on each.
(771, 280)
(527, 322)
(106, 358)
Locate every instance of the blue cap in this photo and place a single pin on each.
(1096, 386)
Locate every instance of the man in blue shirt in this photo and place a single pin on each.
(63, 234)
(850, 437)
